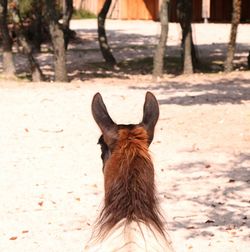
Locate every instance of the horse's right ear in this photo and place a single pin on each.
(150, 115)
(101, 116)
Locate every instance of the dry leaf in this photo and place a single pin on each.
(13, 238)
(40, 203)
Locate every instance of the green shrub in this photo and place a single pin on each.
(26, 6)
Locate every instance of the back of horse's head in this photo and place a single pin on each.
(109, 128)
(128, 169)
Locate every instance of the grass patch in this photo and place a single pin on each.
(82, 14)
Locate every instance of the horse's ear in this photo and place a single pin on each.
(102, 118)
(150, 115)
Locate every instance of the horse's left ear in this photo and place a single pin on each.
(100, 113)
(103, 119)
(150, 115)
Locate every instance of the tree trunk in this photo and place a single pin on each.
(228, 65)
(38, 25)
(248, 61)
(67, 12)
(160, 49)
(187, 52)
(8, 63)
(57, 38)
(36, 72)
(67, 15)
(184, 12)
(102, 38)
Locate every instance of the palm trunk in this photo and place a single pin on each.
(160, 49)
(228, 65)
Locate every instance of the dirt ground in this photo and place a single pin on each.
(50, 168)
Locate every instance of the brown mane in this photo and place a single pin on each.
(130, 203)
(129, 184)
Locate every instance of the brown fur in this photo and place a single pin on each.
(129, 184)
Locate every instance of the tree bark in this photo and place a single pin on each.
(160, 49)
(67, 15)
(187, 51)
(8, 62)
(184, 12)
(228, 65)
(57, 38)
(67, 12)
(248, 60)
(38, 25)
(102, 38)
(36, 72)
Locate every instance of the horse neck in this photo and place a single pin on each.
(130, 163)
(129, 184)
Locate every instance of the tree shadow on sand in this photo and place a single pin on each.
(135, 57)
(134, 53)
(234, 91)
(225, 204)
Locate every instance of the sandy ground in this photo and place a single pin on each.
(51, 183)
